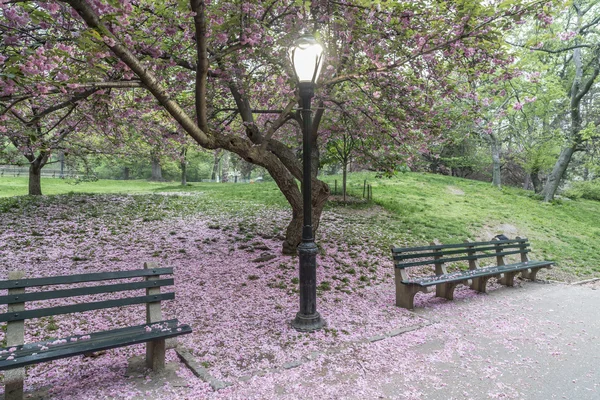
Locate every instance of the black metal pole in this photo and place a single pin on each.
(307, 319)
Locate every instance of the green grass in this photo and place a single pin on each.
(265, 192)
(421, 207)
(427, 207)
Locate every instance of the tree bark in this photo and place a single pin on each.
(35, 182)
(183, 173)
(527, 181)
(344, 176)
(246, 169)
(156, 169)
(183, 165)
(35, 173)
(216, 159)
(293, 235)
(225, 167)
(535, 180)
(557, 173)
(496, 166)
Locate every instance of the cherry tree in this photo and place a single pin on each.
(210, 61)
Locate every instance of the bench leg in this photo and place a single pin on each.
(405, 295)
(480, 284)
(445, 290)
(155, 349)
(13, 384)
(508, 278)
(529, 273)
(15, 335)
(155, 355)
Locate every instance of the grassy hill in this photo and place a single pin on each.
(451, 209)
(415, 209)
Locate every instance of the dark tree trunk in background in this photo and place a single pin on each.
(496, 162)
(35, 173)
(246, 169)
(216, 158)
(535, 180)
(183, 165)
(156, 169)
(344, 176)
(126, 173)
(225, 167)
(527, 181)
(35, 182)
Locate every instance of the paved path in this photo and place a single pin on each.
(545, 344)
(535, 341)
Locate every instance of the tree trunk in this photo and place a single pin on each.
(35, 182)
(183, 165)
(535, 180)
(246, 169)
(557, 172)
(183, 173)
(156, 169)
(496, 166)
(216, 159)
(35, 173)
(293, 235)
(225, 167)
(126, 171)
(344, 177)
(527, 181)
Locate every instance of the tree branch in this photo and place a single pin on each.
(146, 76)
(199, 7)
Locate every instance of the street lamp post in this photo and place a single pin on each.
(306, 55)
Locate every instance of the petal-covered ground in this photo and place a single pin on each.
(233, 286)
(238, 294)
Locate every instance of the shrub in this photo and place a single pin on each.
(585, 190)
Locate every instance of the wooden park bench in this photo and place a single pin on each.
(16, 355)
(440, 255)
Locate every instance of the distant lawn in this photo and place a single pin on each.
(421, 207)
(264, 192)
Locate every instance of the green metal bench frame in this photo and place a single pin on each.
(17, 354)
(476, 277)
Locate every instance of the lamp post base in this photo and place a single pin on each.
(308, 323)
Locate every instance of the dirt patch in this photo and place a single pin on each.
(455, 191)
(508, 230)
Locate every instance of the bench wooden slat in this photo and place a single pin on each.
(82, 307)
(454, 245)
(455, 259)
(466, 249)
(79, 278)
(470, 274)
(83, 291)
(31, 353)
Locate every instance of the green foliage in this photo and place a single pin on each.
(584, 190)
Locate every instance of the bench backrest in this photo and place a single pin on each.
(150, 281)
(448, 253)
